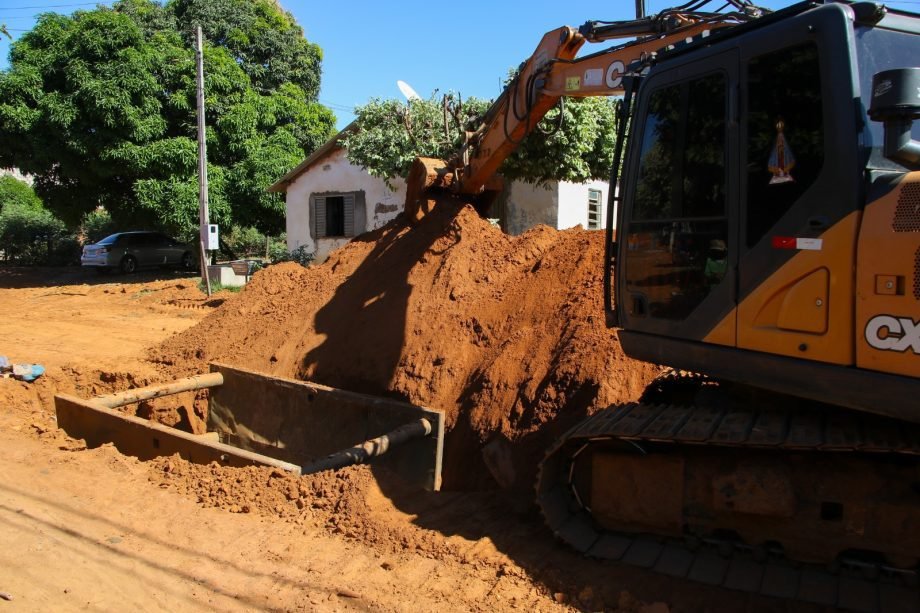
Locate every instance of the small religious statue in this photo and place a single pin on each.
(781, 159)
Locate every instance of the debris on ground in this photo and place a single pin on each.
(20, 372)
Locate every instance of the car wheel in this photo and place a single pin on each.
(188, 261)
(128, 264)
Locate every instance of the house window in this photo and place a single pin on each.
(594, 209)
(336, 215)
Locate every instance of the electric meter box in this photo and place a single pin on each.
(213, 243)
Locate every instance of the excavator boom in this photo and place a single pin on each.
(553, 72)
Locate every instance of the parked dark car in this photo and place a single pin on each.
(128, 251)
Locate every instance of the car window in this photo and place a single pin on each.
(137, 239)
(111, 239)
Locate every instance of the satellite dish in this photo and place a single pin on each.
(407, 91)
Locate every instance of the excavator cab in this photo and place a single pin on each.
(752, 167)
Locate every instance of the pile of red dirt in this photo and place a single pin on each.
(505, 334)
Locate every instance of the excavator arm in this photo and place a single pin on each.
(553, 72)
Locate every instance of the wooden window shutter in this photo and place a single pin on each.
(349, 206)
(319, 217)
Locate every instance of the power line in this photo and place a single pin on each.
(50, 6)
(338, 107)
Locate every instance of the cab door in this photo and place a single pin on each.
(678, 232)
(800, 189)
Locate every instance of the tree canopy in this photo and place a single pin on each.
(391, 133)
(99, 107)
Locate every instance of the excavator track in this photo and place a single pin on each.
(657, 536)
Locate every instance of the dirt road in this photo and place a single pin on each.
(92, 529)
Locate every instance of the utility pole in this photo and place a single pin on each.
(640, 9)
(203, 216)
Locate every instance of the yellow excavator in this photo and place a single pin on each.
(763, 241)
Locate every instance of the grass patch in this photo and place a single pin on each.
(217, 286)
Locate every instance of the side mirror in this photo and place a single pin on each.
(896, 103)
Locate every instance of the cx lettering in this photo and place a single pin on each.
(888, 333)
(614, 76)
(615, 72)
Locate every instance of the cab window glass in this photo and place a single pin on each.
(655, 182)
(677, 239)
(785, 147)
(703, 193)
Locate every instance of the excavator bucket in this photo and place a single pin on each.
(262, 420)
(431, 180)
(428, 178)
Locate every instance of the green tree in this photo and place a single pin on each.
(264, 40)
(100, 108)
(391, 133)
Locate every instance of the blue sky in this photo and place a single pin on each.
(369, 45)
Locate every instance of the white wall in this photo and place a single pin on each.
(558, 205)
(528, 205)
(335, 173)
(573, 203)
(16, 174)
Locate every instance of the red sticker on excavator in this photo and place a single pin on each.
(784, 242)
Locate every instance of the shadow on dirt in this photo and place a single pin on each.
(368, 310)
(21, 277)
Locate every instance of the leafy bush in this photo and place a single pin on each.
(65, 252)
(299, 255)
(246, 242)
(97, 225)
(31, 236)
(14, 192)
(277, 249)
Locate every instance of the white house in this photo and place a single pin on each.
(329, 200)
(16, 174)
(558, 204)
